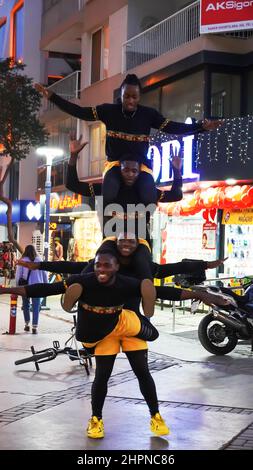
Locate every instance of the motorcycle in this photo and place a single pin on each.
(221, 329)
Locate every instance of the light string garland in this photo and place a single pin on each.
(231, 141)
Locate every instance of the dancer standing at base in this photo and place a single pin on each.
(107, 327)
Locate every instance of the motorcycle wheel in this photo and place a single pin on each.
(216, 337)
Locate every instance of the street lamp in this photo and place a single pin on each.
(49, 153)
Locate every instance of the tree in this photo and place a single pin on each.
(20, 128)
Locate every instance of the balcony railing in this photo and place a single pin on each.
(180, 28)
(68, 88)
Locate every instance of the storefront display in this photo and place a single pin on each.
(238, 242)
(182, 237)
(87, 235)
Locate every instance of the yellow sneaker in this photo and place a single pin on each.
(95, 428)
(158, 425)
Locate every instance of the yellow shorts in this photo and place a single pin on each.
(109, 165)
(122, 337)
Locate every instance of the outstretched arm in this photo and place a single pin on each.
(35, 290)
(171, 127)
(58, 267)
(185, 267)
(172, 293)
(85, 113)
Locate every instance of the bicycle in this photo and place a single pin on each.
(48, 354)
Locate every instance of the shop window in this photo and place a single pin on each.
(17, 32)
(97, 149)
(151, 98)
(250, 93)
(225, 95)
(2, 36)
(99, 54)
(184, 98)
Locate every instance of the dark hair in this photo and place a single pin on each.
(131, 157)
(107, 251)
(131, 79)
(30, 252)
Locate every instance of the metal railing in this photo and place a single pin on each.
(180, 28)
(68, 88)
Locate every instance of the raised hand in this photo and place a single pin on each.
(44, 91)
(211, 125)
(177, 162)
(76, 145)
(28, 264)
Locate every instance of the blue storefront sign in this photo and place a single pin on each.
(22, 211)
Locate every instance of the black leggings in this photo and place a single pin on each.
(139, 363)
(145, 185)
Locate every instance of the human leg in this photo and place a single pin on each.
(36, 310)
(111, 185)
(104, 366)
(139, 363)
(146, 188)
(26, 312)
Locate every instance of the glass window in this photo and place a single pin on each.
(97, 149)
(184, 98)
(2, 36)
(225, 95)
(96, 47)
(152, 99)
(250, 93)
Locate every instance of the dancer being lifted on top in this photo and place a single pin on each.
(128, 126)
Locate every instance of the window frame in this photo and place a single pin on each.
(18, 6)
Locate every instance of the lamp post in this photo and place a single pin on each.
(49, 153)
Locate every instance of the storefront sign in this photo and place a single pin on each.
(161, 158)
(237, 217)
(65, 201)
(225, 16)
(22, 211)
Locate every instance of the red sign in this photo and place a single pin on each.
(226, 16)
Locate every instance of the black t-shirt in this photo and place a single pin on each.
(126, 133)
(92, 326)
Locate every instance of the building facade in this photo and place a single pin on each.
(184, 75)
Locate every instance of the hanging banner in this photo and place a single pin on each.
(237, 217)
(225, 16)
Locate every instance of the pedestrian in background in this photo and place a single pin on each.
(26, 276)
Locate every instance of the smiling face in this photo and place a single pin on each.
(130, 171)
(105, 268)
(130, 97)
(126, 244)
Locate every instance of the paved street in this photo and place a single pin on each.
(206, 400)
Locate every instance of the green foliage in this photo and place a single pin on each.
(20, 128)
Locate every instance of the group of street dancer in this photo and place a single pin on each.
(110, 288)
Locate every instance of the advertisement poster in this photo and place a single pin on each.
(209, 236)
(216, 16)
